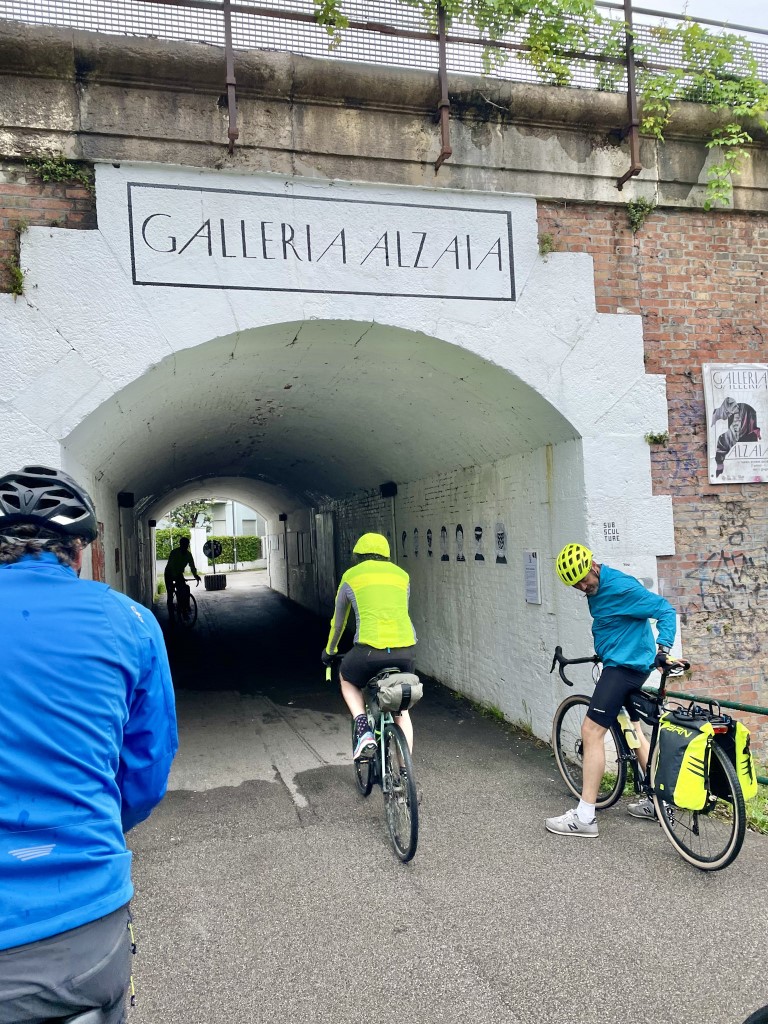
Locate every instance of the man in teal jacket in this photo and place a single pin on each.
(87, 736)
(621, 608)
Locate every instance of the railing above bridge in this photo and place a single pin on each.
(380, 32)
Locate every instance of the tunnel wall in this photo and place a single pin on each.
(477, 633)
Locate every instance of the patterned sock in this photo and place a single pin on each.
(361, 725)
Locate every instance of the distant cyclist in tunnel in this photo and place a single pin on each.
(87, 736)
(378, 591)
(621, 608)
(178, 560)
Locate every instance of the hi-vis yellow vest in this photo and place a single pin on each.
(378, 592)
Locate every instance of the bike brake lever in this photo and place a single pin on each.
(558, 654)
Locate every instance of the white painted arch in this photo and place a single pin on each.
(297, 397)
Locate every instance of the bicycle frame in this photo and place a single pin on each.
(640, 777)
(378, 725)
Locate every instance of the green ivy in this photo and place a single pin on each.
(718, 69)
(661, 438)
(59, 169)
(638, 211)
(14, 271)
(15, 276)
(546, 245)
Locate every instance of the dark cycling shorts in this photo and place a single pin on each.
(363, 662)
(68, 973)
(611, 692)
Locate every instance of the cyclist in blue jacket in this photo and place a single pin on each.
(621, 608)
(87, 736)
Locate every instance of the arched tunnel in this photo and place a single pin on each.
(304, 422)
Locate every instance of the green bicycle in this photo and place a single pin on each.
(391, 767)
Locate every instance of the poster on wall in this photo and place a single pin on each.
(531, 577)
(736, 400)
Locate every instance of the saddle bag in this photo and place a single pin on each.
(735, 745)
(684, 750)
(397, 692)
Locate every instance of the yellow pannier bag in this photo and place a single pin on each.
(683, 757)
(735, 745)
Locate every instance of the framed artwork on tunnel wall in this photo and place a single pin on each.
(736, 402)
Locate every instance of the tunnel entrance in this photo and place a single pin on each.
(407, 362)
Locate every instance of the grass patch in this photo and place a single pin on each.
(757, 811)
(491, 711)
(15, 276)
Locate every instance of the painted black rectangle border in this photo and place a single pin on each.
(317, 199)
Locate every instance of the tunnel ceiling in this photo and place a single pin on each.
(307, 410)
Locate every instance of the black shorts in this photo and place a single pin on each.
(363, 662)
(611, 692)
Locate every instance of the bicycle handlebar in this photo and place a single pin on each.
(561, 661)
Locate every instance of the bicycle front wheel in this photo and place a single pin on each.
(708, 839)
(400, 800)
(188, 615)
(569, 752)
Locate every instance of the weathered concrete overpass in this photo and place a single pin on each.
(105, 98)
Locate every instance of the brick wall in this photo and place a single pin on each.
(26, 200)
(700, 283)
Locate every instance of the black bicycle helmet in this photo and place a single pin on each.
(47, 498)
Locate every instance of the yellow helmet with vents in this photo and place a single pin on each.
(573, 563)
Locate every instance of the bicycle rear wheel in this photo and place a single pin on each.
(400, 799)
(187, 615)
(569, 752)
(708, 839)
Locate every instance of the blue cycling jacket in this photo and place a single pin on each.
(87, 737)
(620, 611)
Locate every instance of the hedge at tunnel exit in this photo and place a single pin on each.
(248, 547)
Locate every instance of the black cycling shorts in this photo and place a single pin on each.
(362, 662)
(613, 687)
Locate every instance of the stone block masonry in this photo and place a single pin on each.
(700, 283)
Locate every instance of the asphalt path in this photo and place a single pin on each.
(267, 890)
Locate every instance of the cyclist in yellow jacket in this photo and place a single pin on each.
(384, 636)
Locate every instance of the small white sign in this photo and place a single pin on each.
(532, 578)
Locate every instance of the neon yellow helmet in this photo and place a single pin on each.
(573, 563)
(372, 544)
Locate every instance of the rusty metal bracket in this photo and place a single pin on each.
(634, 120)
(233, 134)
(444, 106)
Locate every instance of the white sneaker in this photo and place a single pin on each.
(570, 824)
(643, 809)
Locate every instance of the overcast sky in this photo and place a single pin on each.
(753, 13)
